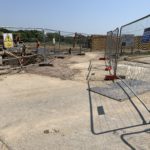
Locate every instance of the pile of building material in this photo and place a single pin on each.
(98, 42)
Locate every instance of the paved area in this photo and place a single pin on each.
(42, 113)
(120, 91)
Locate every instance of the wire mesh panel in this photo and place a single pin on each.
(86, 42)
(113, 52)
(125, 59)
(111, 49)
(134, 59)
(135, 50)
(108, 47)
(67, 41)
(51, 40)
(30, 38)
(135, 37)
(46, 41)
(74, 42)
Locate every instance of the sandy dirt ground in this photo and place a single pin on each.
(50, 108)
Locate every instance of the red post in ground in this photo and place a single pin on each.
(108, 68)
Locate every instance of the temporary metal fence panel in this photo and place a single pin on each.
(32, 38)
(134, 50)
(76, 42)
(51, 40)
(112, 49)
(134, 62)
(86, 42)
(108, 47)
(67, 41)
(135, 66)
(47, 41)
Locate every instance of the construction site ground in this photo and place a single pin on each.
(50, 108)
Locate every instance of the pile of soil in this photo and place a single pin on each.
(60, 69)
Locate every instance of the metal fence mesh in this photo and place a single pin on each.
(28, 36)
(114, 50)
(108, 47)
(47, 41)
(135, 50)
(51, 40)
(111, 49)
(134, 60)
(67, 41)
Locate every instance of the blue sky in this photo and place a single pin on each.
(86, 16)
